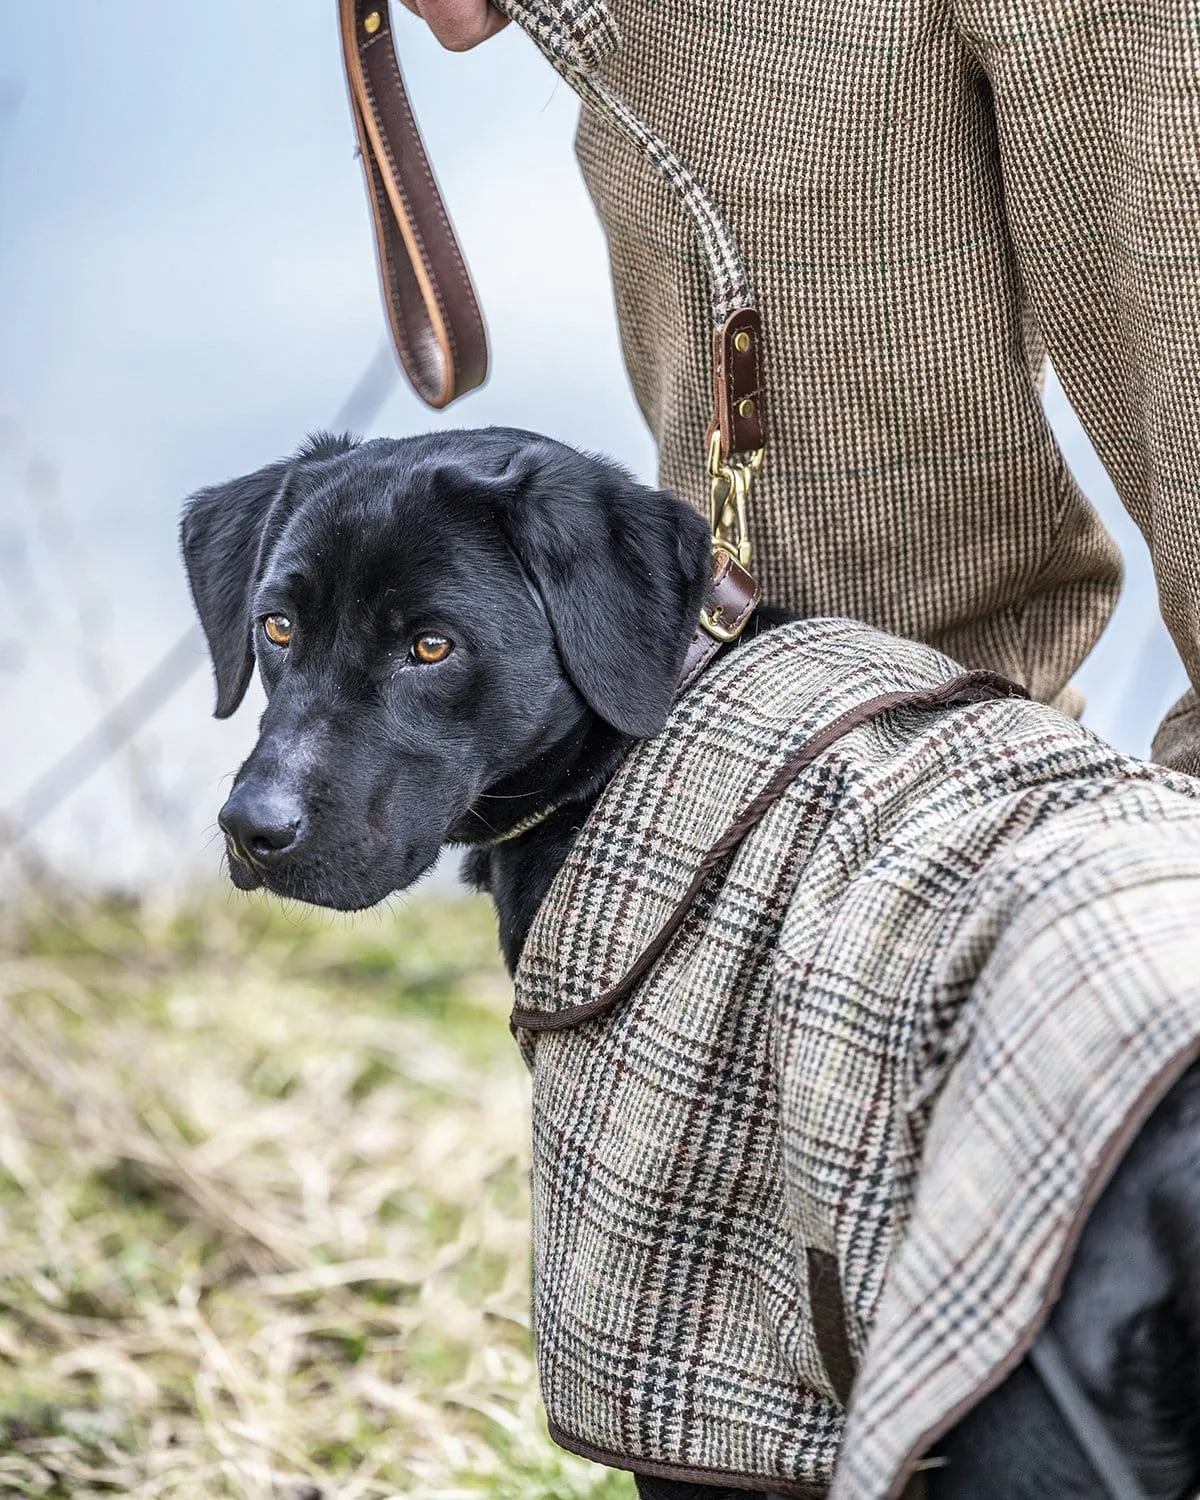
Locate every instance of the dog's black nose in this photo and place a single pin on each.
(260, 823)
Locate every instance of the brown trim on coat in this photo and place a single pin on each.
(659, 1470)
(967, 687)
(1118, 1143)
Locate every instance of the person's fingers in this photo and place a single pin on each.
(459, 24)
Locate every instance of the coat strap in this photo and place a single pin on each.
(968, 687)
(1084, 1422)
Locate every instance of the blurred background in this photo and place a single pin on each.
(187, 287)
(263, 1214)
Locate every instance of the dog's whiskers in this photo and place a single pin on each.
(505, 796)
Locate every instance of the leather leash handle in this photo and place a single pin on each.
(436, 323)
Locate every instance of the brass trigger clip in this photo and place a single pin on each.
(729, 489)
(730, 483)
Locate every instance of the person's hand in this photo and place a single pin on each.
(458, 24)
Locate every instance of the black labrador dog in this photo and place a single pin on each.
(437, 673)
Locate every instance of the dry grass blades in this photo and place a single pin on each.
(263, 1217)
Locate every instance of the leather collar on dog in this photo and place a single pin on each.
(733, 598)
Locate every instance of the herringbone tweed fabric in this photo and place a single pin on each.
(854, 1116)
(928, 195)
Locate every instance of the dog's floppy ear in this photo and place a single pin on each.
(222, 533)
(622, 569)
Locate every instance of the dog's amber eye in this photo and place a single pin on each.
(429, 649)
(277, 629)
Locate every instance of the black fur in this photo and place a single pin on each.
(570, 593)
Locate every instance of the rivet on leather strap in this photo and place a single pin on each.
(738, 383)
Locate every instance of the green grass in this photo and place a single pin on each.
(263, 1209)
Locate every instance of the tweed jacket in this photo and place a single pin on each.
(929, 195)
(808, 1188)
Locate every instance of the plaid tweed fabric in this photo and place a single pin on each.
(928, 195)
(848, 1125)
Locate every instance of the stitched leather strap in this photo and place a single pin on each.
(436, 323)
(435, 319)
(733, 597)
(738, 383)
(431, 305)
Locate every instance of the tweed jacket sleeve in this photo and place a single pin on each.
(1097, 111)
(927, 194)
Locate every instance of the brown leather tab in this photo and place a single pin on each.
(738, 383)
(828, 1309)
(733, 597)
(435, 319)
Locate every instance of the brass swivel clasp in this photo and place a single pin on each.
(729, 490)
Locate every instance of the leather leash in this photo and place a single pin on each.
(436, 323)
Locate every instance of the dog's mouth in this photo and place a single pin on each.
(242, 869)
(338, 885)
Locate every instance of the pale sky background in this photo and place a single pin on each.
(187, 286)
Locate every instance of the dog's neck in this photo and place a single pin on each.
(568, 780)
(558, 792)
(558, 776)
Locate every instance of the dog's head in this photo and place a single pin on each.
(429, 616)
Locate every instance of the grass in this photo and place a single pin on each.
(263, 1209)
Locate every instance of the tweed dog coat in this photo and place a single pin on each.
(806, 1189)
